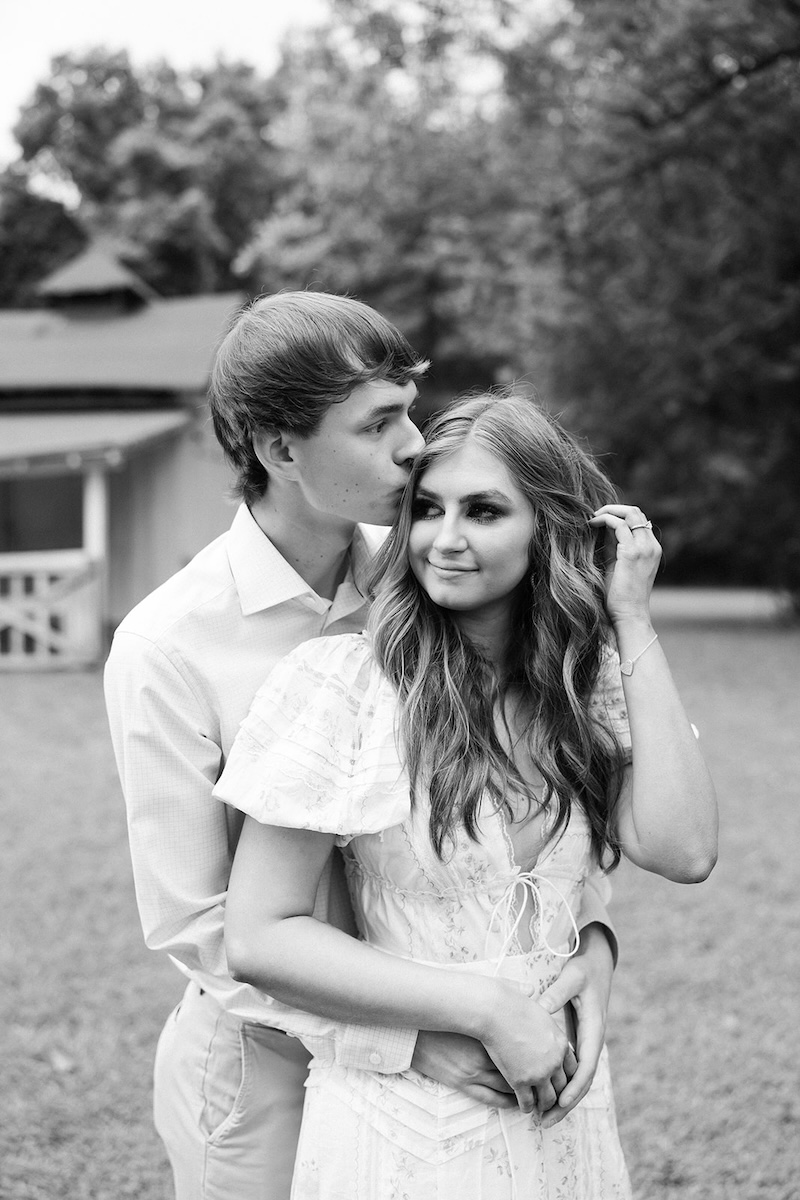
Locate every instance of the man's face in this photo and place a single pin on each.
(356, 463)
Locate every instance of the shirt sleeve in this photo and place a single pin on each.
(593, 911)
(166, 744)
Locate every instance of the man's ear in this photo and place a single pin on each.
(273, 450)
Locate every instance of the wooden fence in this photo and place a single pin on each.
(51, 609)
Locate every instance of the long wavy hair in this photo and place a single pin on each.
(449, 693)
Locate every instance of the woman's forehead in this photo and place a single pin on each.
(469, 467)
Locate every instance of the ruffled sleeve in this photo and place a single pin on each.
(607, 703)
(317, 749)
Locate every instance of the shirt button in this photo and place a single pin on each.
(375, 1058)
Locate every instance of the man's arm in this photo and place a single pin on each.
(166, 743)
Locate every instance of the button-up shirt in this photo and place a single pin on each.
(183, 669)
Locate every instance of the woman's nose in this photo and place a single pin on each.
(449, 536)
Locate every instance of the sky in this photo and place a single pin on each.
(185, 32)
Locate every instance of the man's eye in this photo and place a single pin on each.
(377, 427)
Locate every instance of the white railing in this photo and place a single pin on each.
(50, 609)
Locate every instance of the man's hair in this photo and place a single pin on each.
(286, 359)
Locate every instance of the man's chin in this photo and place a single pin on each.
(384, 517)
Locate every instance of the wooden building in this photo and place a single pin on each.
(110, 475)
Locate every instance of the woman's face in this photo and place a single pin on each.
(470, 533)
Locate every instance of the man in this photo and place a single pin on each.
(311, 397)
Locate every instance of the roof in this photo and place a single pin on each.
(167, 345)
(94, 271)
(46, 443)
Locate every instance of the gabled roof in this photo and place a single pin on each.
(166, 345)
(95, 271)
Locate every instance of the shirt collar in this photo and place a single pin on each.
(367, 540)
(263, 577)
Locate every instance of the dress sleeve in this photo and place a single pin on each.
(607, 703)
(317, 749)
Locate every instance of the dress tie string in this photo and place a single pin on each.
(529, 882)
(503, 910)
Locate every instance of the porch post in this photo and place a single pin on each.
(95, 513)
(95, 547)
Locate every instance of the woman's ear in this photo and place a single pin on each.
(274, 451)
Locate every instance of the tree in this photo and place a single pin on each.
(37, 235)
(180, 164)
(401, 191)
(674, 214)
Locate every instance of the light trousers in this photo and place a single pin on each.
(228, 1100)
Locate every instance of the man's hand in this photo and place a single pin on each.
(586, 981)
(462, 1063)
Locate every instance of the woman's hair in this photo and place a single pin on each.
(286, 359)
(449, 693)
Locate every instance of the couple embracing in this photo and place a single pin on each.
(375, 782)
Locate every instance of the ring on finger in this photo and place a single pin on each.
(644, 525)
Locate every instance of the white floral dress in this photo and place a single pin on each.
(318, 751)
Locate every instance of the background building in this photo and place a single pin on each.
(110, 475)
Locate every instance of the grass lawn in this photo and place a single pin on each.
(703, 1028)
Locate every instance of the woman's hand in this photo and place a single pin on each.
(632, 557)
(527, 1046)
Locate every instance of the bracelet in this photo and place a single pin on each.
(626, 667)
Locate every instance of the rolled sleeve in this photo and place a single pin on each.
(596, 896)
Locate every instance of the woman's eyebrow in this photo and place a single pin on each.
(493, 495)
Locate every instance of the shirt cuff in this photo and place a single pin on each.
(365, 1048)
(593, 911)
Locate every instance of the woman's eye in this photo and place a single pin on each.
(484, 512)
(423, 510)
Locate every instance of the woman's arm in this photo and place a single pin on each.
(274, 943)
(667, 816)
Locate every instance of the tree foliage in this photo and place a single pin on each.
(37, 235)
(597, 195)
(675, 222)
(401, 188)
(179, 164)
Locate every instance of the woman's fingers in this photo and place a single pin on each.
(570, 1064)
(525, 1097)
(627, 522)
(558, 1081)
(630, 513)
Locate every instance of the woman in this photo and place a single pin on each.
(471, 754)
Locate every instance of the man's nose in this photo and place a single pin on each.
(411, 443)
